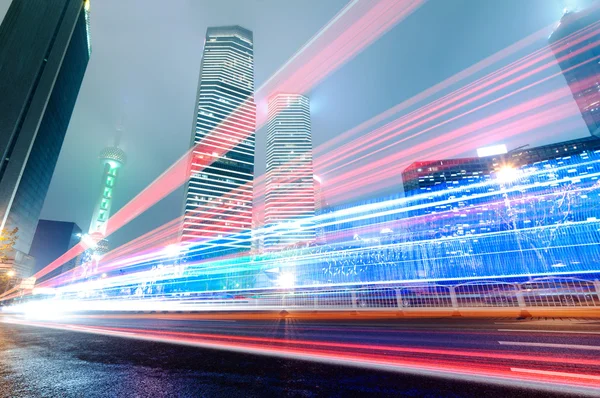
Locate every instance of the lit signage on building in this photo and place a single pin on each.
(492, 150)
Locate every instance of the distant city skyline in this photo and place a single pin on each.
(122, 68)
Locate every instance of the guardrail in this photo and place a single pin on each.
(536, 293)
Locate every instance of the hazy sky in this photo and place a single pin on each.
(145, 64)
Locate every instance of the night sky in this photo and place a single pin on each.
(145, 65)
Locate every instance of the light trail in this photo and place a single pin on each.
(380, 16)
(521, 65)
(332, 217)
(354, 28)
(134, 215)
(439, 87)
(551, 345)
(219, 267)
(504, 71)
(362, 145)
(487, 366)
(468, 129)
(358, 180)
(400, 127)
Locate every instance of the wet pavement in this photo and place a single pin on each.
(41, 362)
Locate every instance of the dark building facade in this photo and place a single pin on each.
(51, 240)
(44, 52)
(525, 156)
(421, 177)
(575, 46)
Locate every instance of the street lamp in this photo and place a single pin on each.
(10, 274)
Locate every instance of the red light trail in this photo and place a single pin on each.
(481, 65)
(435, 110)
(340, 186)
(354, 28)
(494, 364)
(366, 21)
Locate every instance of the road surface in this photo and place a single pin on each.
(157, 355)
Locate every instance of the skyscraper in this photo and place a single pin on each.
(579, 62)
(218, 201)
(290, 193)
(44, 52)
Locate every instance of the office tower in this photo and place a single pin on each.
(290, 193)
(51, 240)
(44, 52)
(529, 156)
(575, 46)
(422, 176)
(218, 201)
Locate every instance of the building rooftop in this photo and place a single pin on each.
(232, 30)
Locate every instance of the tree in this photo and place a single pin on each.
(7, 242)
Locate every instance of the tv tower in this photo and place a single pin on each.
(113, 159)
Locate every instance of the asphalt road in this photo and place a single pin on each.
(134, 356)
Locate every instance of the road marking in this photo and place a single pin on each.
(545, 322)
(551, 373)
(547, 331)
(93, 329)
(212, 320)
(550, 345)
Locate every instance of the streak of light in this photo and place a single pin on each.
(558, 374)
(470, 71)
(338, 187)
(378, 18)
(363, 355)
(551, 345)
(355, 27)
(549, 331)
(400, 126)
(359, 211)
(518, 68)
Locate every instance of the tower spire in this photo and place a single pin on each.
(119, 129)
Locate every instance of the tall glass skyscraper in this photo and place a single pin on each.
(579, 62)
(290, 192)
(218, 202)
(44, 52)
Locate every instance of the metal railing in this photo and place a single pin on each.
(552, 292)
(536, 293)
